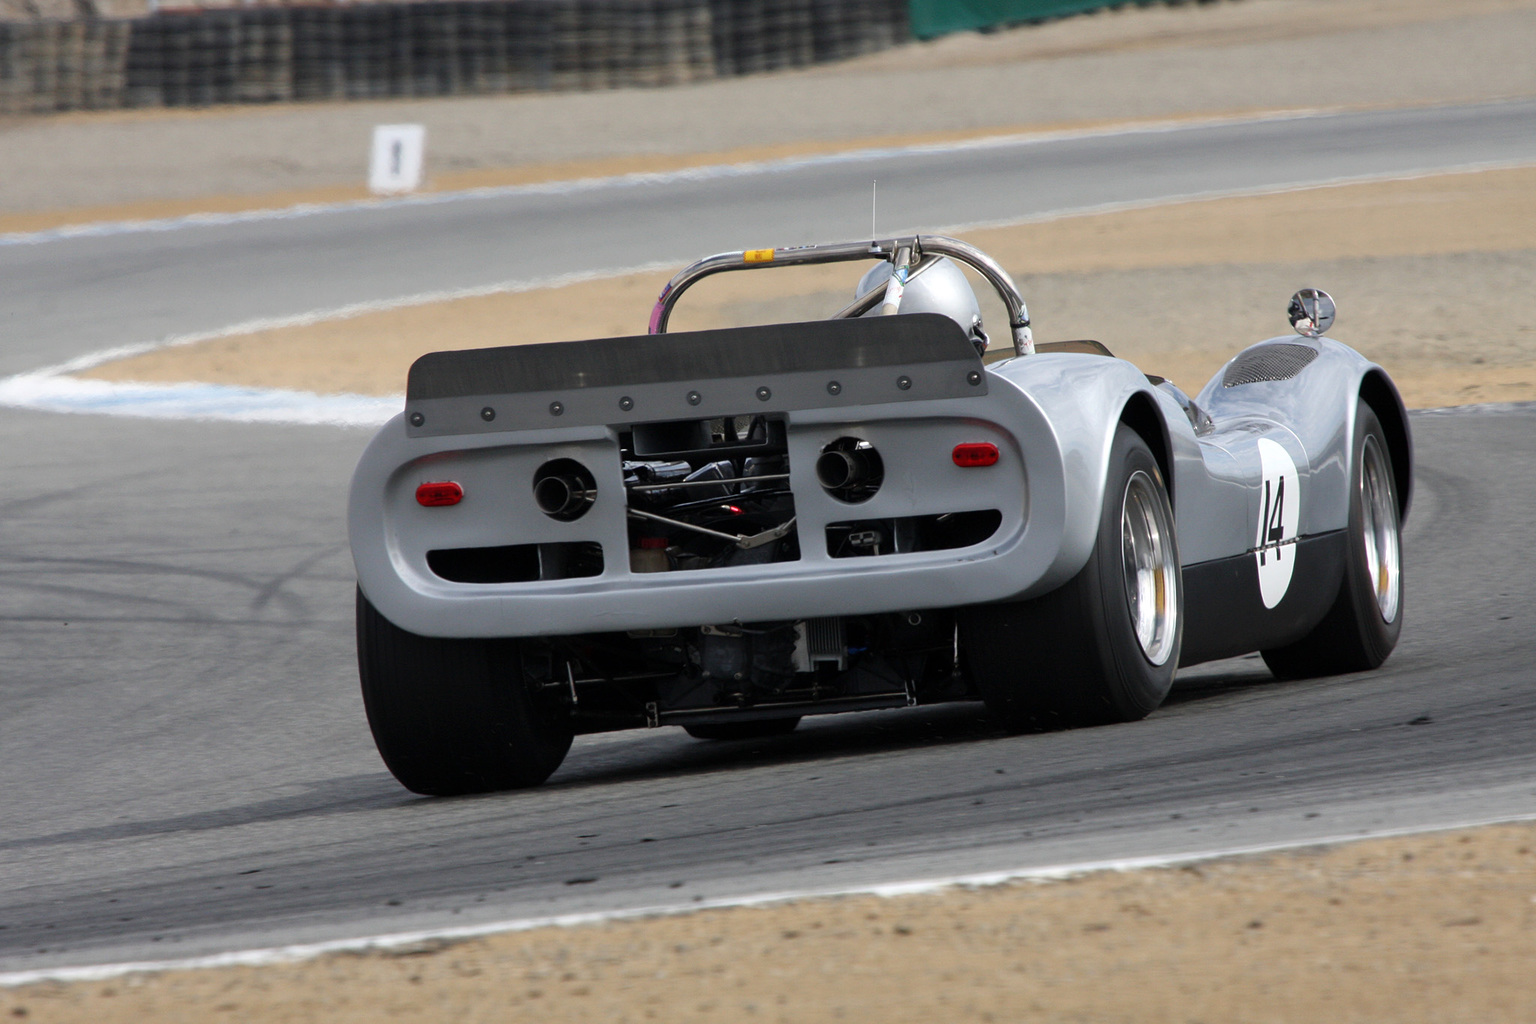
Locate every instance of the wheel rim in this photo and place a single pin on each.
(1378, 504)
(1151, 570)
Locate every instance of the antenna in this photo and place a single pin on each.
(874, 194)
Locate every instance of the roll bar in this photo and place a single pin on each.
(917, 252)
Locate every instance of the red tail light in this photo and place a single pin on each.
(975, 453)
(437, 494)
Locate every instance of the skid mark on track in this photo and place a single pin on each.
(17, 506)
(274, 587)
(345, 795)
(21, 569)
(1444, 500)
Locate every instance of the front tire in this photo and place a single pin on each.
(453, 716)
(1103, 647)
(1362, 626)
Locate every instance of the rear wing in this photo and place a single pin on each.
(692, 375)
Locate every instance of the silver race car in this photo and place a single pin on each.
(727, 530)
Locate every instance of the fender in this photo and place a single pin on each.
(1082, 397)
(1318, 405)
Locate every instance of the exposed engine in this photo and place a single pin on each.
(715, 491)
(711, 493)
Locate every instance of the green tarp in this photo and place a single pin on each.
(936, 17)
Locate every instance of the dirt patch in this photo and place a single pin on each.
(1438, 927)
(1134, 63)
(1432, 277)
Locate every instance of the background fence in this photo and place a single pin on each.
(365, 50)
(266, 54)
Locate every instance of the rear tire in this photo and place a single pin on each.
(1362, 626)
(1104, 646)
(753, 730)
(453, 716)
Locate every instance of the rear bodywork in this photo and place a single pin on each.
(1038, 486)
(1257, 468)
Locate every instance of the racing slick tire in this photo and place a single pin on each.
(1104, 646)
(451, 716)
(1363, 624)
(754, 730)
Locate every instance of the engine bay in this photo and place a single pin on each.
(708, 493)
(715, 492)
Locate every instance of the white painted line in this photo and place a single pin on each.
(428, 937)
(1480, 408)
(708, 172)
(1286, 188)
(49, 393)
(356, 309)
(53, 389)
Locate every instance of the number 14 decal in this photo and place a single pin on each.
(1271, 522)
(1279, 518)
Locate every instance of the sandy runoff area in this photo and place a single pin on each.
(1432, 276)
(1436, 928)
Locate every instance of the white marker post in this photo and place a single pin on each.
(395, 164)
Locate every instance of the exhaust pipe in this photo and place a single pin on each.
(839, 469)
(560, 496)
(564, 490)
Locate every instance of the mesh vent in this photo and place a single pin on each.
(1272, 362)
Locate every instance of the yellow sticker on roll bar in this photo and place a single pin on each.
(758, 256)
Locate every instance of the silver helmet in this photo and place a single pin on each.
(942, 288)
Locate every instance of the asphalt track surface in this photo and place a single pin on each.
(65, 298)
(185, 766)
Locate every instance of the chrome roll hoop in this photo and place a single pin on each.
(917, 252)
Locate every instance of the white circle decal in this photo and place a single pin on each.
(1279, 520)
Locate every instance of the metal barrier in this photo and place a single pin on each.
(267, 54)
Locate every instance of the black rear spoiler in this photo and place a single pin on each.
(693, 374)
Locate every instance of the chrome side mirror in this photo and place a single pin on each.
(1311, 312)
